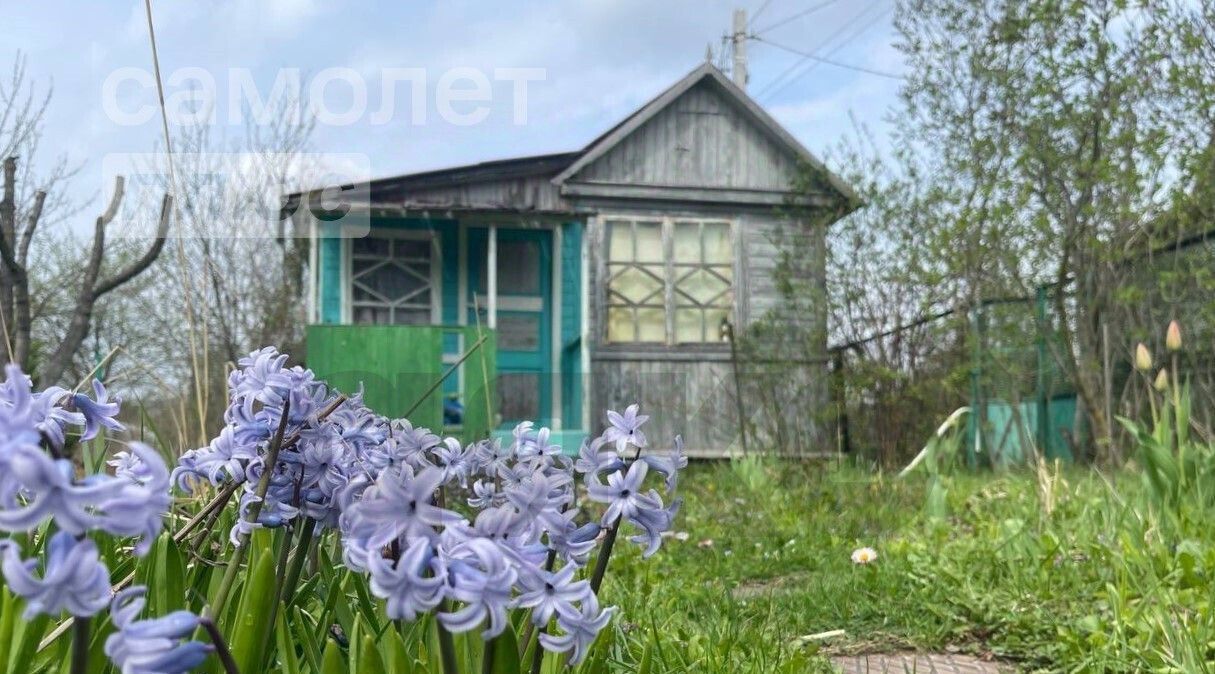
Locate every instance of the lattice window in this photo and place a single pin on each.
(669, 281)
(392, 279)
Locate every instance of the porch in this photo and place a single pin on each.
(406, 301)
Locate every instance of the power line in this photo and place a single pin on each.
(758, 12)
(814, 59)
(797, 15)
(832, 62)
(790, 74)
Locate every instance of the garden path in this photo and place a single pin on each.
(919, 663)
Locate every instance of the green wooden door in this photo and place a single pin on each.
(524, 312)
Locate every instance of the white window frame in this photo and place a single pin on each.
(436, 267)
(670, 273)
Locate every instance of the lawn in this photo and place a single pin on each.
(1049, 572)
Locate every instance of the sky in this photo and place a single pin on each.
(591, 63)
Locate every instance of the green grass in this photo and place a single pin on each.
(1098, 583)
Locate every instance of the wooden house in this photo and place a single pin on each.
(592, 278)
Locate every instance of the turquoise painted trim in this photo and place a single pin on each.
(571, 323)
(330, 263)
(570, 440)
(510, 361)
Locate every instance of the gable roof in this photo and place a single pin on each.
(539, 178)
(747, 105)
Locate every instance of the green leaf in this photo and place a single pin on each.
(306, 635)
(333, 662)
(396, 655)
(506, 652)
(286, 648)
(256, 604)
(29, 633)
(646, 665)
(369, 657)
(8, 621)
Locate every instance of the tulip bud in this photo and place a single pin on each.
(1143, 358)
(1172, 337)
(1162, 380)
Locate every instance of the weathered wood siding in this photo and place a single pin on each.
(701, 140)
(693, 385)
(531, 193)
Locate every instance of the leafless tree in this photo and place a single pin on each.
(23, 211)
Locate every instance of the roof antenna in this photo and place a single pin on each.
(708, 52)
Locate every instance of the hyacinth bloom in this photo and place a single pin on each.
(137, 508)
(406, 585)
(480, 575)
(623, 494)
(625, 429)
(152, 646)
(399, 506)
(669, 466)
(97, 413)
(75, 579)
(579, 632)
(385, 486)
(49, 490)
(548, 594)
(594, 460)
(574, 543)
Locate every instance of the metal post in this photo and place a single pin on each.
(1043, 374)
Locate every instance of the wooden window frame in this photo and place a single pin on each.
(671, 297)
(436, 271)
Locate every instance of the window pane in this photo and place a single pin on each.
(370, 245)
(391, 282)
(652, 325)
(620, 325)
(412, 249)
(620, 241)
(687, 242)
(702, 287)
(519, 332)
(717, 243)
(411, 316)
(688, 325)
(372, 315)
(649, 242)
(636, 285)
(518, 267)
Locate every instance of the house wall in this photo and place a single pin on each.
(693, 385)
(700, 140)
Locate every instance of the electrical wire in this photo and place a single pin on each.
(817, 57)
(790, 74)
(758, 12)
(795, 16)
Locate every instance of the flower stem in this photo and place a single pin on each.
(80, 645)
(255, 508)
(601, 562)
(487, 658)
(221, 646)
(447, 648)
(297, 559)
(538, 653)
